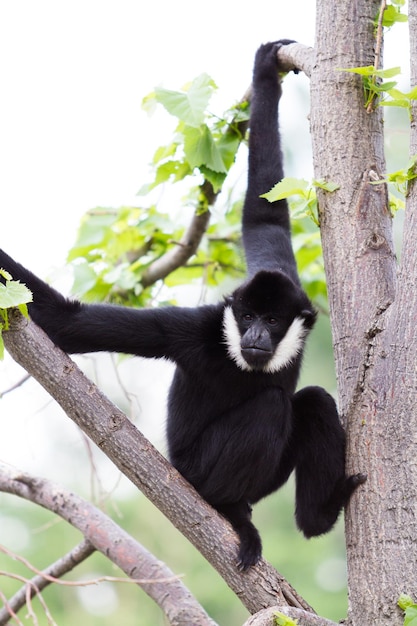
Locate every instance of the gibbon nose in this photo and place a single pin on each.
(257, 337)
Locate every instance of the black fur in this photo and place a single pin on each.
(236, 427)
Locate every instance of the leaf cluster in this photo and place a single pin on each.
(401, 180)
(202, 140)
(115, 247)
(392, 14)
(12, 294)
(386, 92)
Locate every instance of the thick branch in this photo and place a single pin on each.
(187, 247)
(133, 454)
(56, 570)
(157, 580)
(297, 56)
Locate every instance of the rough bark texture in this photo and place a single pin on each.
(373, 326)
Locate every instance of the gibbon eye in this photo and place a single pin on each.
(247, 317)
(272, 321)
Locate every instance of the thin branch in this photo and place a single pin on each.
(77, 583)
(11, 612)
(296, 56)
(28, 600)
(15, 386)
(155, 578)
(62, 566)
(187, 246)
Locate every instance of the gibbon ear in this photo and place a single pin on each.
(309, 317)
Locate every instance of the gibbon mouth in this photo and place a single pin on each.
(256, 357)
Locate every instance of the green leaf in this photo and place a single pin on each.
(395, 204)
(14, 293)
(215, 178)
(190, 105)
(395, 103)
(175, 170)
(411, 616)
(93, 227)
(391, 16)
(410, 610)
(369, 70)
(85, 278)
(227, 146)
(387, 87)
(412, 95)
(163, 152)
(366, 70)
(201, 149)
(5, 274)
(388, 73)
(287, 187)
(283, 620)
(326, 185)
(149, 103)
(404, 601)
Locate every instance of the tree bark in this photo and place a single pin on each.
(373, 326)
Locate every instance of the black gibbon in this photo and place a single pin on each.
(236, 426)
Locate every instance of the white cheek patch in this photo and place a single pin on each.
(286, 351)
(232, 336)
(288, 348)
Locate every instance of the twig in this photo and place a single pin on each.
(27, 601)
(378, 47)
(44, 578)
(15, 386)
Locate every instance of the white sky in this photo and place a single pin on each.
(72, 77)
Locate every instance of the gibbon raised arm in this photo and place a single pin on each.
(236, 426)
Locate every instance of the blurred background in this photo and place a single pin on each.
(74, 136)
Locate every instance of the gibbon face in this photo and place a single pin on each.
(266, 321)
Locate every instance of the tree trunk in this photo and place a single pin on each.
(372, 322)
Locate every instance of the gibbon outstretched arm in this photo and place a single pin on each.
(266, 225)
(170, 332)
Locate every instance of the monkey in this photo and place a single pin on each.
(237, 427)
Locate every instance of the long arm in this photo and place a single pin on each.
(78, 328)
(266, 225)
